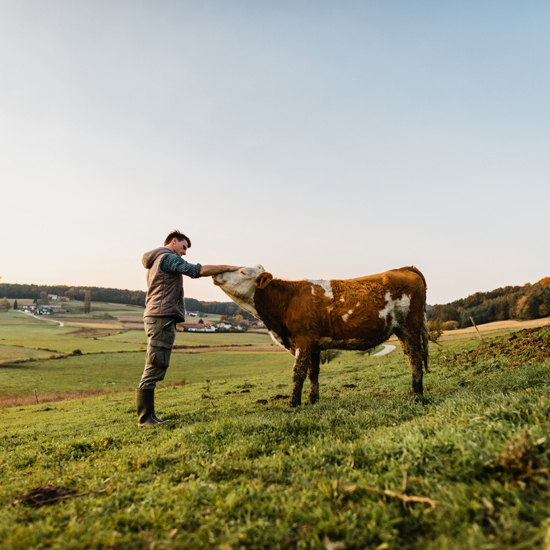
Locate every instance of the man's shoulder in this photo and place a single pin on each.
(150, 257)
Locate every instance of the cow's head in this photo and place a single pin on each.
(241, 285)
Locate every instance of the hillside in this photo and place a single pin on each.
(511, 302)
(367, 467)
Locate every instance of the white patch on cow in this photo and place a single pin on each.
(342, 299)
(397, 308)
(325, 285)
(297, 353)
(357, 304)
(329, 309)
(346, 315)
(276, 338)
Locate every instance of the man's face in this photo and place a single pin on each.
(179, 247)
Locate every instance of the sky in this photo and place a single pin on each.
(321, 139)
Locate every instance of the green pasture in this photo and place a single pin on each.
(195, 339)
(236, 467)
(229, 472)
(123, 370)
(24, 337)
(52, 337)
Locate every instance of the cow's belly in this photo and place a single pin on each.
(356, 336)
(373, 330)
(351, 343)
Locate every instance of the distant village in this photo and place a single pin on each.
(225, 324)
(46, 309)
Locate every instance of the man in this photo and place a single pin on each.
(164, 307)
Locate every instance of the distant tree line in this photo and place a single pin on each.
(114, 295)
(511, 302)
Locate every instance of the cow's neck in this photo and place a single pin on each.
(271, 304)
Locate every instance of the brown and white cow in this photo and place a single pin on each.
(309, 316)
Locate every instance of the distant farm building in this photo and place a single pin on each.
(199, 327)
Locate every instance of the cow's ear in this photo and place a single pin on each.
(264, 279)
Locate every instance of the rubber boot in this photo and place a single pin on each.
(155, 417)
(145, 402)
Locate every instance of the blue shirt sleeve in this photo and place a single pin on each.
(173, 264)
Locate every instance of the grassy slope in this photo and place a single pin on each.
(229, 473)
(123, 370)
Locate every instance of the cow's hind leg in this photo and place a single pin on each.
(313, 373)
(302, 364)
(413, 348)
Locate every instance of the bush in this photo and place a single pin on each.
(450, 325)
(434, 331)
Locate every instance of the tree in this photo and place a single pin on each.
(87, 301)
(238, 319)
(201, 322)
(43, 298)
(71, 293)
(223, 318)
(6, 304)
(15, 304)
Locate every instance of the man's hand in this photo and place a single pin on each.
(210, 270)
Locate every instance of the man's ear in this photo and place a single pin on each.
(264, 279)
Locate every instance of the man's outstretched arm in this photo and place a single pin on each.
(172, 263)
(209, 270)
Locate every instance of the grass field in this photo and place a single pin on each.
(366, 467)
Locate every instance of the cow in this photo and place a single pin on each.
(309, 316)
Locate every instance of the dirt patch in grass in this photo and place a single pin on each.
(88, 332)
(48, 494)
(227, 348)
(133, 326)
(130, 319)
(10, 400)
(524, 346)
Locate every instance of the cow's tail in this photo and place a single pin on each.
(425, 340)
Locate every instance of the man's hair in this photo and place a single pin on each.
(178, 235)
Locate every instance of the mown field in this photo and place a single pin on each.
(366, 467)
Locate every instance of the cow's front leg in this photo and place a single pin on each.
(313, 373)
(302, 363)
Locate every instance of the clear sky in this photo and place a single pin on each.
(321, 139)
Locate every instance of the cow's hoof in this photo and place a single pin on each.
(313, 399)
(419, 397)
(293, 403)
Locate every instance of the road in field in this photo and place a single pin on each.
(41, 319)
(385, 351)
